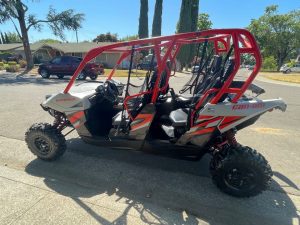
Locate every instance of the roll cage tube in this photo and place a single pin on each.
(241, 39)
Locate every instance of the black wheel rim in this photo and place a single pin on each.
(240, 179)
(44, 73)
(42, 145)
(81, 76)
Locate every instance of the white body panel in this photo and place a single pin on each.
(76, 100)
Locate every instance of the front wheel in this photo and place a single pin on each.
(81, 76)
(44, 73)
(45, 141)
(243, 172)
(60, 76)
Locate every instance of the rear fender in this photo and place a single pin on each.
(233, 114)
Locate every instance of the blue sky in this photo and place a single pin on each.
(121, 16)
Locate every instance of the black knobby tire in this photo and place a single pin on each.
(60, 76)
(288, 71)
(82, 76)
(93, 76)
(44, 73)
(45, 141)
(243, 172)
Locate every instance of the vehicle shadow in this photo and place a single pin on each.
(286, 180)
(156, 188)
(23, 79)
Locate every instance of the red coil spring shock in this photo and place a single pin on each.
(230, 135)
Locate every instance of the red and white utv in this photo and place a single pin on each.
(203, 117)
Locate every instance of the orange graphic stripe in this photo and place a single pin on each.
(76, 116)
(145, 118)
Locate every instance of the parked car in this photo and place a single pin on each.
(250, 67)
(15, 58)
(66, 65)
(287, 69)
(195, 69)
(146, 65)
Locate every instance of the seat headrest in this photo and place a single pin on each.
(215, 64)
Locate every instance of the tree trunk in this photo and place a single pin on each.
(280, 60)
(25, 40)
(26, 46)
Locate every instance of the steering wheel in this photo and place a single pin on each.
(108, 90)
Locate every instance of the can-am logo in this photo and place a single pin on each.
(65, 99)
(248, 106)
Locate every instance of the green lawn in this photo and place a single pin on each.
(124, 73)
(292, 77)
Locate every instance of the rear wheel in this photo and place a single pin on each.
(93, 76)
(288, 71)
(44, 73)
(242, 172)
(45, 141)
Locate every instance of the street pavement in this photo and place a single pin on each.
(93, 185)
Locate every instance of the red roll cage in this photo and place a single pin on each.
(241, 40)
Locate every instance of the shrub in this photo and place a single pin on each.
(2, 64)
(13, 68)
(269, 64)
(12, 63)
(292, 63)
(22, 63)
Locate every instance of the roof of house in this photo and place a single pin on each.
(8, 47)
(77, 47)
(64, 47)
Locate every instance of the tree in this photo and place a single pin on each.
(269, 63)
(6, 38)
(108, 37)
(187, 23)
(2, 38)
(130, 37)
(194, 24)
(17, 11)
(156, 25)
(48, 40)
(204, 23)
(277, 34)
(143, 20)
(12, 37)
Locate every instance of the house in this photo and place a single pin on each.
(45, 51)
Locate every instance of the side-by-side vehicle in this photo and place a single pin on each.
(203, 117)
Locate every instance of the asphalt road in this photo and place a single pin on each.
(92, 185)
